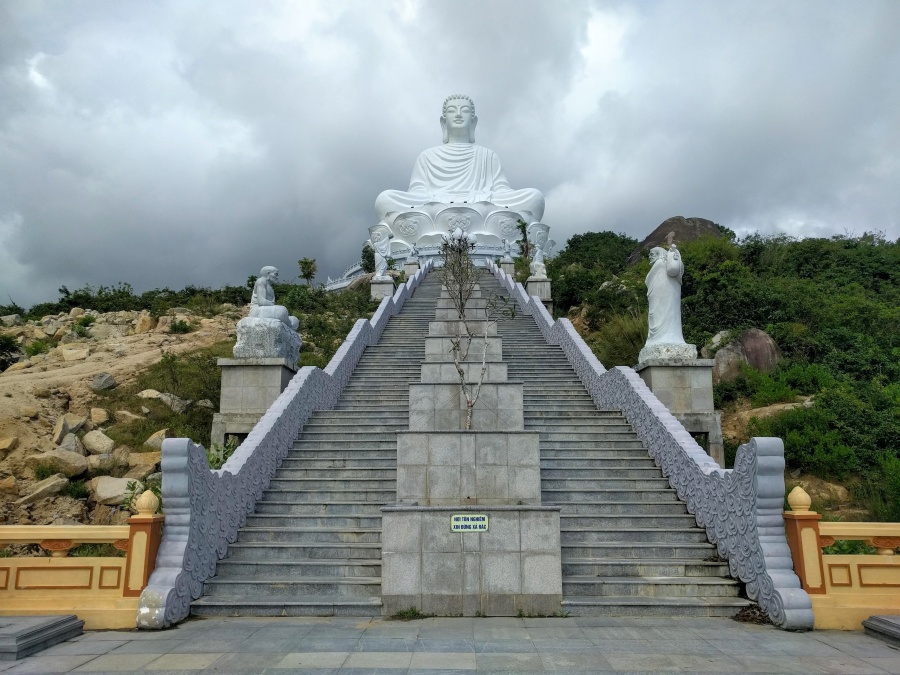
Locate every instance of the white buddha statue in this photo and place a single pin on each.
(459, 172)
(262, 303)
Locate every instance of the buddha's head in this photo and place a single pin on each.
(270, 273)
(657, 253)
(458, 116)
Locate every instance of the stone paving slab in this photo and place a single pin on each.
(443, 646)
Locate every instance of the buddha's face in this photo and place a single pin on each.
(458, 114)
(273, 276)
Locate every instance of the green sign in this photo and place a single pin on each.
(468, 522)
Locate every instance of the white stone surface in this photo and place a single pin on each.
(60, 461)
(98, 443)
(262, 302)
(112, 491)
(667, 351)
(267, 338)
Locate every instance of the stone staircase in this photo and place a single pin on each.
(313, 546)
(629, 546)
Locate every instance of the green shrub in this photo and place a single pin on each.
(76, 489)
(43, 471)
(96, 551)
(9, 351)
(86, 320)
(38, 347)
(180, 326)
(620, 339)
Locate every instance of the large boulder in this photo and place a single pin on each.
(60, 461)
(103, 381)
(113, 491)
(685, 229)
(145, 323)
(752, 346)
(71, 443)
(98, 443)
(45, 488)
(155, 441)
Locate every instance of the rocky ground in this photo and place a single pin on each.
(50, 420)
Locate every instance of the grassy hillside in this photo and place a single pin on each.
(833, 307)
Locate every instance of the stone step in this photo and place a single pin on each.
(885, 627)
(580, 484)
(338, 495)
(641, 550)
(355, 426)
(318, 605)
(279, 483)
(600, 444)
(335, 442)
(313, 507)
(623, 520)
(618, 433)
(608, 473)
(664, 507)
(584, 462)
(294, 569)
(653, 606)
(358, 453)
(664, 567)
(273, 550)
(327, 521)
(630, 535)
(671, 587)
(337, 473)
(286, 587)
(574, 428)
(549, 496)
(386, 461)
(299, 535)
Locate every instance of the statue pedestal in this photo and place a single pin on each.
(249, 388)
(684, 386)
(541, 288)
(382, 288)
(411, 266)
(508, 267)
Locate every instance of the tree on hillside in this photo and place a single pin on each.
(308, 269)
(367, 259)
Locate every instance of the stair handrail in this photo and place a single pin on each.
(740, 508)
(205, 508)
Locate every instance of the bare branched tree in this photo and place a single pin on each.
(460, 279)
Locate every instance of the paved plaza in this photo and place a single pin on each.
(359, 646)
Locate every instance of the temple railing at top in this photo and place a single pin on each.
(205, 508)
(845, 588)
(740, 508)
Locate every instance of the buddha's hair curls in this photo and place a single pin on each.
(453, 97)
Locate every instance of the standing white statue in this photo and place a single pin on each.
(537, 267)
(507, 252)
(665, 339)
(459, 172)
(381, 240)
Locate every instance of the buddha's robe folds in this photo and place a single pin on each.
(457, 173)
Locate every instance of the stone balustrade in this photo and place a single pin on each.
(844, 589)
(104, 590)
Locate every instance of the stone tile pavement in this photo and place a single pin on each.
(357, 646)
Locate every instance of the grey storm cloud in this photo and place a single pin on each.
(187, 142)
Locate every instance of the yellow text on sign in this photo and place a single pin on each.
(468, 522)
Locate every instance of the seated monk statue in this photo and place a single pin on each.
(459, 171)
(262, 304)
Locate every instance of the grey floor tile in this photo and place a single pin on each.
(446, 645)
(73, 648)
(148, 647)
(560, 645)
(379, 660)
(554, 632)
(444, 661)
(504, 646)
(325, 645)
(510, 662)
(384, 645)
(117, 662)
(888, 665)
(310, 660)
(48, 664)
(575, 662)
(256, 662)
(203, 646)
(190, 662)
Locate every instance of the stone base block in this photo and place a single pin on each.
(538, 287)
(512, 568)
(410, 267)
(442, 407)
(508, 267)
(231, 424)
(252, 385)
(667, 352)
(468, 467)
(267, 339)
(21, 636)
(382, 288)
(447, 327)
(438, 349)
(682, 385)
(473, 303)
(471, 314)
(433, 373)
(710, 424)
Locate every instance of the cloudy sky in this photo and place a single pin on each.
(174, 142)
